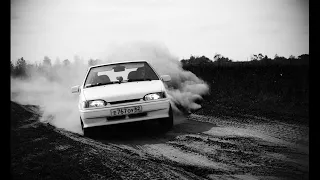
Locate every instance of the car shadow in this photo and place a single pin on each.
(148, 132)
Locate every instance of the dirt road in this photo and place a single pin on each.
(212, 148)
(198, 147)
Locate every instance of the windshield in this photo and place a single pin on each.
(120, 73)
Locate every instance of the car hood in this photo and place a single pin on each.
(123, 91)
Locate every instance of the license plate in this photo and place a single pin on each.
(127, 110)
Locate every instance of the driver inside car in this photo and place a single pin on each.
(141, 73)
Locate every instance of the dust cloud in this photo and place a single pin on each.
(185, 88)
(59, 106)
(53, 94)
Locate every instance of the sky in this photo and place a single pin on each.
(236, 29)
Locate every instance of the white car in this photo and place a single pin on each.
(123, 92)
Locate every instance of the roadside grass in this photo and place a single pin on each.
(263, 105)
(275, 91)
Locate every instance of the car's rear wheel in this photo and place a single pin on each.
(167, 123)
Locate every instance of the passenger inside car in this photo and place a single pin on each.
(103, 79)
(132, 75)
(99, 79)
(142, 73)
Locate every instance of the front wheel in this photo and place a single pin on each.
(88, 132)
(167, 123)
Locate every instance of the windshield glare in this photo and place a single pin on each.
(129, 72)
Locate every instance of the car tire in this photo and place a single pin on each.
(167, 123)
(87, 132)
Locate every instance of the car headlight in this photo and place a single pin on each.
(154, 96)
(94, 103)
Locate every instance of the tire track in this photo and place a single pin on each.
(209, 146)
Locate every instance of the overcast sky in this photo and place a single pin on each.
(234, 28)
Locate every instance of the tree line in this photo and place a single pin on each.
(22, 69)
(255, 60)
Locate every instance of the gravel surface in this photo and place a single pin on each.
(198, 147)
(213, 147)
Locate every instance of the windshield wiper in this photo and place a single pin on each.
(133, 80)
(99, 84)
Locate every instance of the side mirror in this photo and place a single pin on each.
(75, 89)
(165, 78)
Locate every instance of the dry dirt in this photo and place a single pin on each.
(198, 147)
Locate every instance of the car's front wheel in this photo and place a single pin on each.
(167, 123)
(86, 131)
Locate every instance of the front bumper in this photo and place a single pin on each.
(102, 116)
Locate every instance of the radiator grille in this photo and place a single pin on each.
(124, 101)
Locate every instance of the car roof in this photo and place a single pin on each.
(118, 62)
